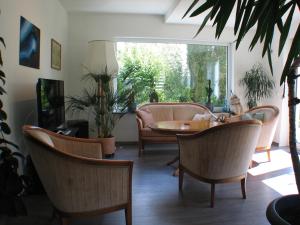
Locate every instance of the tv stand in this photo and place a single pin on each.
(74, 128)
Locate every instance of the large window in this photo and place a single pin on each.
(176, 72)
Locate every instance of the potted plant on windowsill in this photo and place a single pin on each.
(99, 99)
(264, 16)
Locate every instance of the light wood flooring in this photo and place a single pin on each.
(156, 200)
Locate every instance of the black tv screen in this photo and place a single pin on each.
(50, 102)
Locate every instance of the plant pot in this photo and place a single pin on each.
(284, 210)
(108, 146)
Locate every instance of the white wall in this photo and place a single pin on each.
(52, 20)
(84, 27)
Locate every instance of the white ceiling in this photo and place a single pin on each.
(155, 7)
(172, 10)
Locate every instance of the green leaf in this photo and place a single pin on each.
(5, 128)
(293, 53)
(203, 23)
(2, 75)
(1, 61)
(202, 8)
(270, 59)
(225, 11)
(4, 141)
(3, 115)
(2, 41)
(18, 154)
(243, 30)
(190, 8)
(2, 91)
(239, 14)
(5, 149)
(286, 28)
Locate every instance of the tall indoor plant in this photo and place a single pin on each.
(99, 98)
(263, 16)
(258, 85)
(11, 183)
(101, 101)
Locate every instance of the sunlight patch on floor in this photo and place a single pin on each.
(280, 159)
(284, 184)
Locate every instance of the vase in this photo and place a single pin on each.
(108, 146)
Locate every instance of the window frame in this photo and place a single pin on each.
(230, 61)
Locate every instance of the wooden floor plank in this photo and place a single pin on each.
(156, 200)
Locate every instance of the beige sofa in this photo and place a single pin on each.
(150, 113)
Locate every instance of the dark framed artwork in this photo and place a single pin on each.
(29, 54)
(55, 55)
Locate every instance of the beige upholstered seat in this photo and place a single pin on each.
(77, 181)
(220, 154)
(269, 124)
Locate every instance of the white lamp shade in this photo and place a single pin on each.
(101, 58)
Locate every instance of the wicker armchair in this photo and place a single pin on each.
(77, 181)
(220, 154)
(269, 124)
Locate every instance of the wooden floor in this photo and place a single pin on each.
(156, 200)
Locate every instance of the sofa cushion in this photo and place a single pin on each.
(160, 112)
(204, 116)
(146, 117)
(186, 111)
(257, 115)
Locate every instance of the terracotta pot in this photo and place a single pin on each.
(108, 145)
(284, 210)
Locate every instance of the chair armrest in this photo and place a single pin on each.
(86, 184)
(139, 123)
(91, 148)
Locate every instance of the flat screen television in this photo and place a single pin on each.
(50, 103)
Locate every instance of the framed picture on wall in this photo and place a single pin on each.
(55, 55)
(29, 54)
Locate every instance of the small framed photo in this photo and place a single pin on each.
(55, 55)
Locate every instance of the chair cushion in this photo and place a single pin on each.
(249, 116)
(259, 116)
(204, 116)
(246, 116)
(146, 117)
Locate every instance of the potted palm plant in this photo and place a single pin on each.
(100, 101)
(264, 16)
(258, 85)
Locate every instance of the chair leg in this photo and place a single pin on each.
(269, 154)
(243, 187)
(141, 146)
(212, 195)
(180, 179)
(128, 215)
